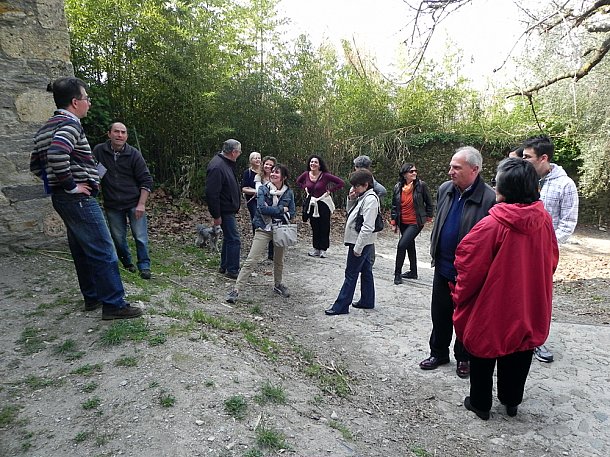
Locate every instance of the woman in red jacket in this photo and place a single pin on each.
(504, 288)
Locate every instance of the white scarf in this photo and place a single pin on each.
(275, 192)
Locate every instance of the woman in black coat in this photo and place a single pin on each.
(411, 208)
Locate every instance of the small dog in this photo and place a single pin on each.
(208, 236)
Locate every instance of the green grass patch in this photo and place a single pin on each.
(125, 330)
(68, 350)
(200, 295)
(157, 340)
(345, 432)
(90, 387)
(126, 362)
(263, 344)
(167, 400)
(31, 340)
(143, 297)
(254, 453)
(177, 299)
(271, 438)
(420, 452)
(58, 302)
(236, 406)
(92, 403)
(177, 314)
(8, 415)
(209, 383)
(271, 394)
(38, 382)
(153, 384)
(256, 310)
(88, 369)
(332, 381)
(81, 436)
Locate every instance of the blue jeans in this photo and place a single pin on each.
(231, 244)
(354, 267)
(117, 223)
(95, 259)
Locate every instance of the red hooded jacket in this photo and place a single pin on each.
(504, 290)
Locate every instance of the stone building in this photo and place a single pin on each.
(34, 50)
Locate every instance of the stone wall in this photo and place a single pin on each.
(34, 50)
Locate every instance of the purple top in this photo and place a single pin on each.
(326, 182)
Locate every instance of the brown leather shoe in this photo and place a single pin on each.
(463, 369)
(431, 363)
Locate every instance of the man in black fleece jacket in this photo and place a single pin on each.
(223, 195)
(126, 184)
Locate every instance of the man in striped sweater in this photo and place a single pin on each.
(62, 158)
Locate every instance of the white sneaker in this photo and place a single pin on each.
(543, 354)
(314, 253)
(323, 254)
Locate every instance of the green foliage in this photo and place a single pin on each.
(120, 331)
(271, 394)
(167, 400)
(236, 406)
(88, 370)
(92, 403)
(8, 415)
(271, 438)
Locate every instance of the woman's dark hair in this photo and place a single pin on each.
(283, 169)
(361, 177)
(517, 181)
(405, 167)
(261, 172)
(322, 163)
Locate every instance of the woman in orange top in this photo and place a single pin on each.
(411, 208)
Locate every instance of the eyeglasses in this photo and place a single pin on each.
(412, 171)
(84, 98)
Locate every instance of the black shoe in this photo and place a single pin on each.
(409, 275)
(92, 305)
(331, 312)
(357, 304)
(222, 271)
(145, 274)
(512, 410)
(131, 268)
(482, 414)
(230, 275)
(127, 312)
(432, 363)
(463, 369)
(397, 279)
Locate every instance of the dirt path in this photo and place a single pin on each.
(92, 397)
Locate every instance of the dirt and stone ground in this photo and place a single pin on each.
(168, 384)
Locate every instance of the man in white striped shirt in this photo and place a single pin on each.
(559, 195)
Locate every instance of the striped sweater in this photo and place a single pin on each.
(62, 156)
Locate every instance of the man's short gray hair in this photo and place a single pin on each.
(230, 146)
(363, 162)
(473, 156)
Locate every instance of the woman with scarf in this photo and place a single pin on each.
(248, 185)
(412, 207)
(318, 207)
(275, 203)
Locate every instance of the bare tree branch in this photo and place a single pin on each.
(598, 55)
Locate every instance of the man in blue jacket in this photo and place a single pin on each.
(223, 195)
(126, 185)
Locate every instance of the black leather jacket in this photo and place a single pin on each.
(476, 207)
(422, 201)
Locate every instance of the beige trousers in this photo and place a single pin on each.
(258, 251)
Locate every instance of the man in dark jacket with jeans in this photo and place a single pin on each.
(461, 203)
(126, 184)
(223, 195)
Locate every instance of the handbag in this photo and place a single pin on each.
(379, 223)
(284, 235)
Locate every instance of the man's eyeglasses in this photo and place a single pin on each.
(84, 98)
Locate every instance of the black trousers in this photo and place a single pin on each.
(320, 227)
(442, 322)
(406, 244)
(512, 374)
